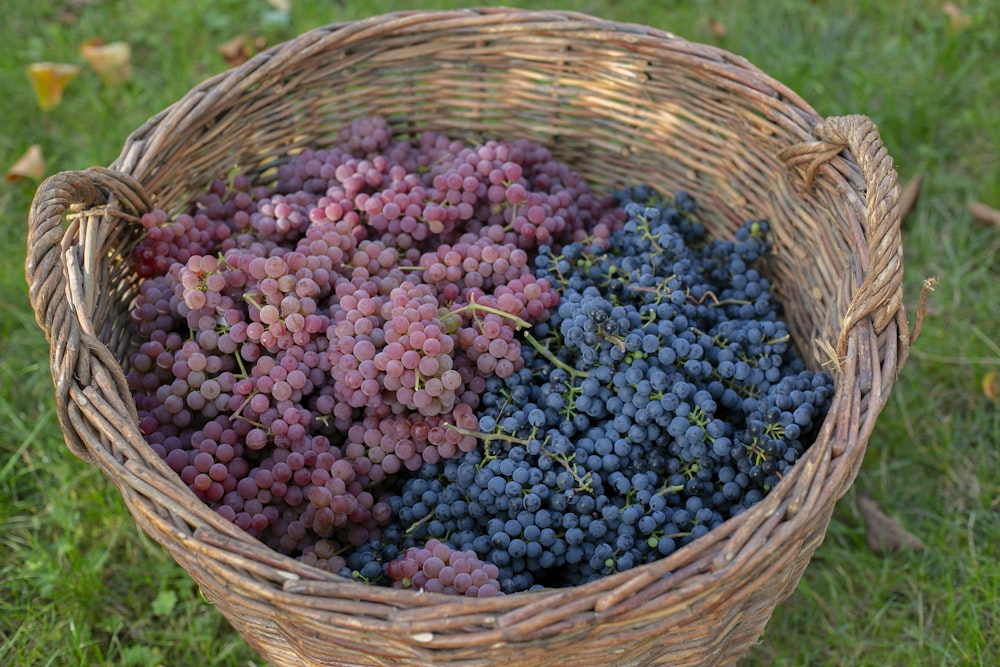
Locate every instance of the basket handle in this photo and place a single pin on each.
(880, 293)
(67, 191)
(54, 251)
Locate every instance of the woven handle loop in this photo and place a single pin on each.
(880, 293)
(59, 194)
(53, 253)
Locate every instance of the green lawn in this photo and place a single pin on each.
(80, 584)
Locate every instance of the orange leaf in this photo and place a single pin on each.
(49, 80)
(112, 62)
(30, 165)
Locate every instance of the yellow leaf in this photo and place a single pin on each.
(112, 62)
(991, 386)
(956, 17)
(30, 165)
(49, 80)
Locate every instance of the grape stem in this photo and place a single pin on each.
(416, 524)
(243, 368)
(251, 298)
(586, 482)
(547, 353)
(487, 437)
(477, 307)
(238, 413)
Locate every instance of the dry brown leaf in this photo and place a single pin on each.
(717, 28)
(908, 198)
(31, 165)
(957, 20)
(239, 49)
(984, 214)
(49, 81)
(991, 386)
(112, 62)
(883, 533)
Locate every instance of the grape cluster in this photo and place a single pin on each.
(306, 344)
(661, 398)
(453, 368)
(437, 568)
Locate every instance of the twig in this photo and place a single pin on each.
(927, 288)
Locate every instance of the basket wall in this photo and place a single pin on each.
(622, 104)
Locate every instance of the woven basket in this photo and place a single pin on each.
(620, 103)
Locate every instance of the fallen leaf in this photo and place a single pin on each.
(31, 165)
(112, 62)
(716, 27)
(49, 81)
(984, 214)
(908, 198)
(883, 533)
(235, 51)
(957, 19)
(241, 48)
(991, 386)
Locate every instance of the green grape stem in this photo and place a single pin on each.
(487, 437)
(547, 353)
(474, 307)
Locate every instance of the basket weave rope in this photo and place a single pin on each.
(621, 104)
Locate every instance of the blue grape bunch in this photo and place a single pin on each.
(661, 398)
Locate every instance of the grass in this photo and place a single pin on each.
(80, 584)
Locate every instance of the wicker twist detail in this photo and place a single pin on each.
(617, 101)
(881, 293)
(62, 308)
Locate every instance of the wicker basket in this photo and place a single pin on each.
(620, 103)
